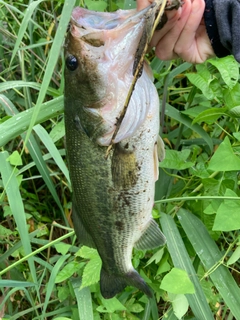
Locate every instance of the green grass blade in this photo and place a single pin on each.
(14, 283)
(35, 152)
(151, 310)
(177, 115)
(26, 84)
(84, 300)
(42, 168)
(53, 57)
(19, 123)
(10, 294)
(210, 255)
(10, 183)
(178, 70)
(24, 25)
(51, 282)
(48, 142)
(180, 258)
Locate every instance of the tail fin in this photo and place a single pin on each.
(111, 284)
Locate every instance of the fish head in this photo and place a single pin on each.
(98, 47)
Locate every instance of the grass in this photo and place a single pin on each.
(43, 272)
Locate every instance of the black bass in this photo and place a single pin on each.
(112, 197)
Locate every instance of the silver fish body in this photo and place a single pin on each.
(113, 196)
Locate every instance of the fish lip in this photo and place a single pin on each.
(123, 17)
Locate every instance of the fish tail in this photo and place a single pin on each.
(111, 284)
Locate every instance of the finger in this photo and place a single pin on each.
(172, 18)
(186, 44)
(165, 39)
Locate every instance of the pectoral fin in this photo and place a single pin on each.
(151, 238)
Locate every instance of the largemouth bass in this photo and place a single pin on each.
(112, 196)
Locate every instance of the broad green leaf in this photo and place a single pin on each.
(232, 97)
(195, 111)
(136, 308)
(234, 112)
(210, 115)
(210, 256)
(15, 159)
(234, 257)
(67, 271)
(181, 260)
(58, 131)
(228, 68)
(156, 257)
(180, 304)
(236, 135)
(177, 281)
(111, 305)
(4, 232)
(87, 253)
(212, 207)
(224, 158)
(176, 160)
(202, 80)
(228, 214)
(62, 247)
(91, 272)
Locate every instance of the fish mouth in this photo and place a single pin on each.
(92, 21)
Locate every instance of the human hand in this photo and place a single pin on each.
(184, 34)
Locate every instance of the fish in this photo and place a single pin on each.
(113, 196)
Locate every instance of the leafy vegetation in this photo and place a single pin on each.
(43, 272)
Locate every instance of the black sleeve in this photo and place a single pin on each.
(222, 20)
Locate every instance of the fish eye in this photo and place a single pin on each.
(71, 62)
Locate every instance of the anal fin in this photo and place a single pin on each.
(151, 238)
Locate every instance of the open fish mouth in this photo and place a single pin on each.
(91, 20)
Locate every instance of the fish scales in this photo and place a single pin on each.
(113, 196)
